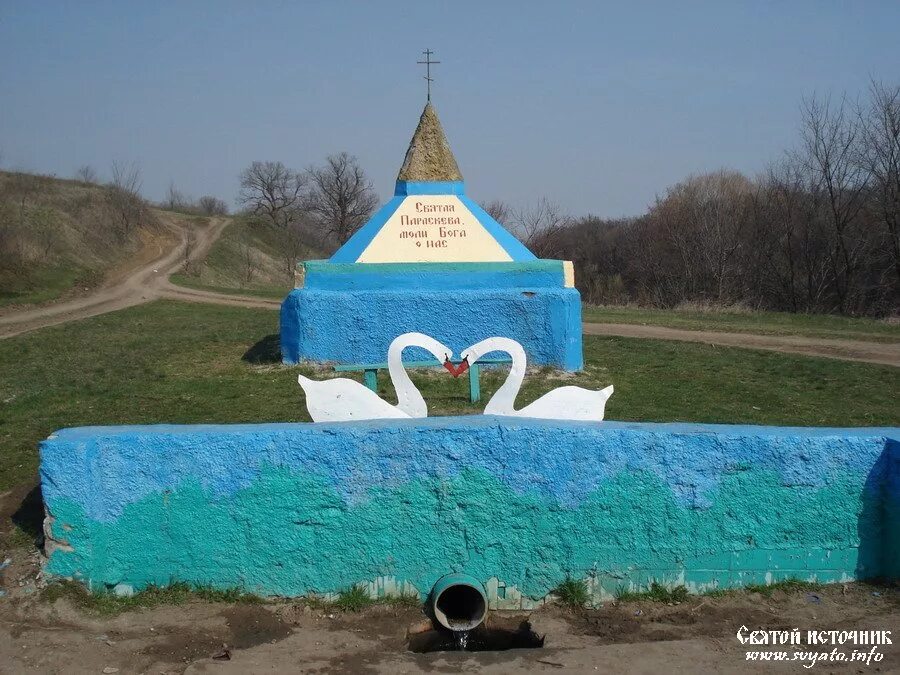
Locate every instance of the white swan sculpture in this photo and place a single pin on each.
(564, 403)
(343, 400)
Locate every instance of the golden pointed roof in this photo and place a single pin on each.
(429, 157)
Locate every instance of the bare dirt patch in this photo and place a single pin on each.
(697, 635)
(244, 626)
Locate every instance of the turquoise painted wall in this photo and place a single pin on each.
(321, 275)
(297, 509)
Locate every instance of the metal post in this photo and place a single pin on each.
(474, 384)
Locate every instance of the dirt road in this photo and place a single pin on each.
(882, 353)
(132, 285)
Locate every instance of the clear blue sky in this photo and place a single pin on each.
(599, 106)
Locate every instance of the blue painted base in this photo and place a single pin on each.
(518, 504)
(357, 326)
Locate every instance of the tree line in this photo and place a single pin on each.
(818, 231)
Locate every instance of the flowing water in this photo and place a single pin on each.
(480, 639)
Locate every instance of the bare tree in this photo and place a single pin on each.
(499, 211)
(45, 233)
(538, 227)
(212, 206)
(124, 197)
(175, 198)
(272, 191)
(189, 265)
(127, 177)
(880, 156)
(87, 174)
(26, 186)
(341, 198)
(248, 257)
(831, 137)
(292, 247)
(719, 212)
(786, 246)
(10, 237)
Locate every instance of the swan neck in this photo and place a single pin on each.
(409, 399)
(504, 400)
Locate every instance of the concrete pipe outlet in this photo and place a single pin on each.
(459, 602)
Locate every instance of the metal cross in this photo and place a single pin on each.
(428, 63)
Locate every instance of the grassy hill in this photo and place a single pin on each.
(249, 258)
(59, 237)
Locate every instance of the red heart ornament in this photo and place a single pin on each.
(456, 371)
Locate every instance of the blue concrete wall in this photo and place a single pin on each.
(415, 187)
(358, 326)
(520, 504)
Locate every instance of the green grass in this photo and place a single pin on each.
(763, 323)
(399, 601)
(17, 537)
(717, 593)
(572, 592)
(106, 603)
(44, 284)
(353, 599)
(787, 586)
(356, 598)
(182, 363)
(258, 291)
(656, 593)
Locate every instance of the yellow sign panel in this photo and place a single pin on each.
(433, 228)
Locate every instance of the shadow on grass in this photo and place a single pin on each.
(266, 351)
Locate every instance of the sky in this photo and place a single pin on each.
(598, 106)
